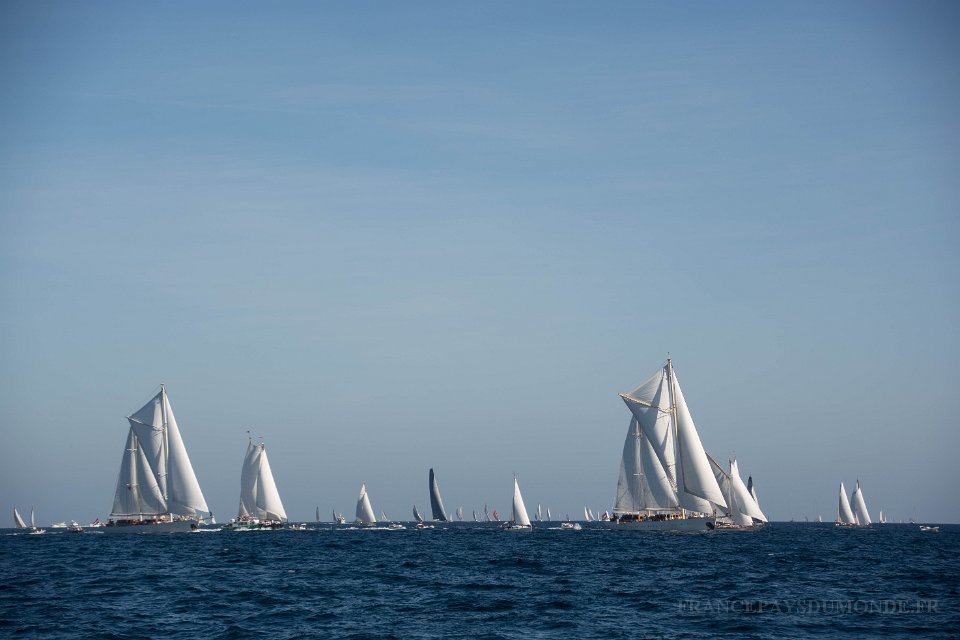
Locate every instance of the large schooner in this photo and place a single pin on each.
(157, 490)
(666, 480)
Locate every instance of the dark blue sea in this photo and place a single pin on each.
(788, 580)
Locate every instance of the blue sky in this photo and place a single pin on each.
(394, 236)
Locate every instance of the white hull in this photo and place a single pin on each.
(679, 524)
(178, 526)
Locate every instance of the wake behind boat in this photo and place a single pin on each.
(157, 489)
(260, 505)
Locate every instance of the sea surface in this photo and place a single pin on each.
(788, 580)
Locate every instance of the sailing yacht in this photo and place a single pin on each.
(742, 511)
(436, 504)
(845, 516)
(860, 507)
(17, 520)
(365, 514)
(520, 520)
(260, 505)
(157, 489)
(666, 480)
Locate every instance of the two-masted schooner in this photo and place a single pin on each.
(666, 479)
(855, 516)
(157, 489)
(260, 505)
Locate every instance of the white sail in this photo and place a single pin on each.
(459, 513)
(844, 513)
(475, 518)
(17, 520)
(259, 497)
(519, 511)
(745, 502)
(725, 482)
(539, 518)
(586, 514)
(138, 491)
(318, 514)
(33, 520)
(694, 474)
(650, 405)
(436, 504)
(416, 514)
(364, 509)
(860, 507)
(548, 514)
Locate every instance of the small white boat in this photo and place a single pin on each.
(929, 529)
(74, 527)
(570, 526)
(33, 524)
(59, 525)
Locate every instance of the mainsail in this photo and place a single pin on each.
(860, 507)
(259, 497)
(17, 520)
(436, 504)
(844, 513)
(364, 509)
(519, 511)
(416, 514)
(156, 476)
(664, 465)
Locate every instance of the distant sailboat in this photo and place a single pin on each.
(538, 513)
(860, 507)
(365, 514)
(586, 515)
(416, 514)
(475, 518)
(520, 520)
(436, 504)
(157, 489)
(741, 511)
(260, 505)
(339, 518)
(666, 480)
(17, 520)
(459, 513)
(318, 513)
(33, 523)
(548, 514)
(486, 516)
(844, 512)
(881, 519)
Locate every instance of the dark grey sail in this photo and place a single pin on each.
(436, 504)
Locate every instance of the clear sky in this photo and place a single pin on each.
(389, 236)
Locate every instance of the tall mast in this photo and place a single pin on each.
(673, 413)
(166, 441)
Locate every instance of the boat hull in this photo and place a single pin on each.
(150, 528)
(678, 524)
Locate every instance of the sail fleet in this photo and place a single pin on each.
(666, 481)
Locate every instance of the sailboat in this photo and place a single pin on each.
(436, 504)
(33, 524)
(587, 515)
(475, 518)
(17, 520)
(520, 520)
(318, 513)
(860, 507)
(538, 513)
(548, 514)
(338, 518)
(742, 510)
(881, 519)
(260, 506)
(844, 512)
(416, 515)
(157, 489)
(365, 514)
(666, 480)
(460, 513)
